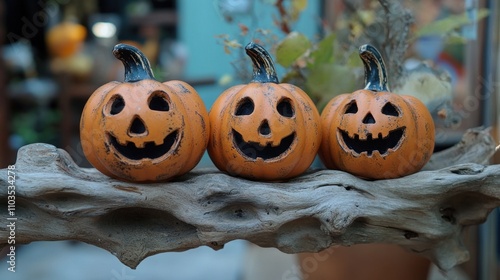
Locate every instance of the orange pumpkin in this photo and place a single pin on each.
(65, 39)
(374, 133)
(264, 130)
(143, 130)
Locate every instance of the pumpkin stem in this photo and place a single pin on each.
(263, 66)
(375, 71)
(137, 67)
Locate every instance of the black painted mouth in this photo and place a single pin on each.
(368, 145)
(255, 150)
(150, 149)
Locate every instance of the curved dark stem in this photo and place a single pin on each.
(136, 64)
(375, 72)
(263, 66)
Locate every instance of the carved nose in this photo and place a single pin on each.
(264, 128)
(137, 126)
(368, 119)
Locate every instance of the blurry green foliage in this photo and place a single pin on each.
(289, 50)
(321, 68)
(447, 27)
(35, 126)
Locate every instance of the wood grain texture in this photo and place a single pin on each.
(425, 212)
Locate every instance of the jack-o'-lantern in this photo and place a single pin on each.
(374, 133)
(263, 130)
(143, 130)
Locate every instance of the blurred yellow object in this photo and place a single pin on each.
(434, 88)
(431, 85)
(78, 65)
(65, 39)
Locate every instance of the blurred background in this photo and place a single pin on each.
(55, 53)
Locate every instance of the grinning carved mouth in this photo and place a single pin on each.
(150, 149)
(368, 145)
(254, 150)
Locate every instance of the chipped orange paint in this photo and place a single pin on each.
(143, 130)
(374, 133)
(264, 130)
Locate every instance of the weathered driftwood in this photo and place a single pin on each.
(476, 146)
(425, 212)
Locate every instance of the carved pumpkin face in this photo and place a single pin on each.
(264, 130)
(144, 130)
(141, 128)
(263, 127)
(376, 126)
(374, 133)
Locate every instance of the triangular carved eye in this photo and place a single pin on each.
(351, 108)
(117, 105)
(390, 110)
(245, 107)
